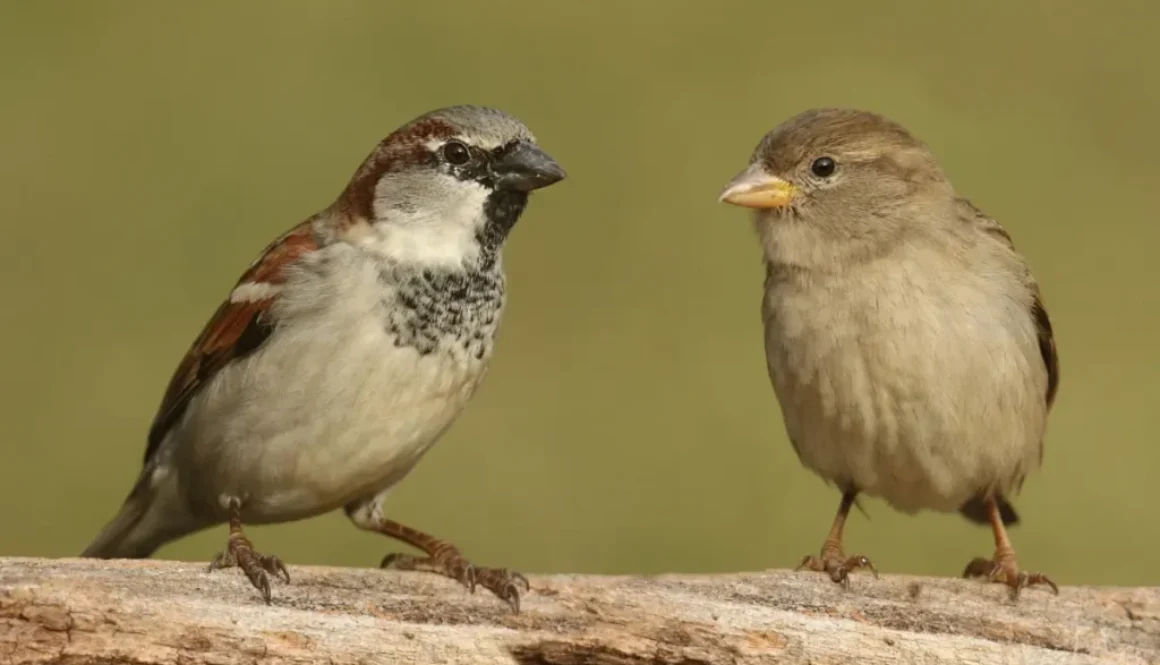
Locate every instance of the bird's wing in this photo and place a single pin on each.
(238, 328)
(1038, 313)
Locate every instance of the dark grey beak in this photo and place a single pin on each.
(525, 167)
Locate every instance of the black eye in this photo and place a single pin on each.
(456, 153)
(823, 167)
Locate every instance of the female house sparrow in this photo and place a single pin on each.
(344, 352)
(906, 339)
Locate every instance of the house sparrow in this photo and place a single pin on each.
(905, 338)
(343, 353)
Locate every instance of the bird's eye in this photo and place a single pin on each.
(823, 167)
(456, 153)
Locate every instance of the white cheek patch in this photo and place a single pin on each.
(254, 292)
(466, 207)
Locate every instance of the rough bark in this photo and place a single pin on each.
(101, 612)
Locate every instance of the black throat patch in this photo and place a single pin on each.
(457, 310)
(501, 211)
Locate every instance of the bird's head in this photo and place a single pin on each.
(842, 175)
(450, 183)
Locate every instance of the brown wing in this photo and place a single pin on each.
(1037, 312)
(975, 509)
(235, 330)
(1046, 347)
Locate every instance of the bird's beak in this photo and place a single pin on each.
(525, 167)
(754, 188)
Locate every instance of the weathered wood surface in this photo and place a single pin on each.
(146, 612)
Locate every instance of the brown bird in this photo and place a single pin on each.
(905, 338)
(343, 353)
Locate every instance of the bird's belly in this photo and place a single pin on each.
(924, 411)
(303, 426)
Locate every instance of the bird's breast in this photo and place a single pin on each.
(360, 377)
(905, 382)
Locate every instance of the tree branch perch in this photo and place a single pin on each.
(161, 612)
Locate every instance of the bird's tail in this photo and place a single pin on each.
(120, 539)
(975, 510)
(146, 521)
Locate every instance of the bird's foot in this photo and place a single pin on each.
(447, 561)
(1004, 569)
(258, 567)
(839, 566)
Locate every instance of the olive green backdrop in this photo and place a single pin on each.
(149, 150)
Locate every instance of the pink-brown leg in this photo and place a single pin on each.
(832, 560)
(240, 552)
(1004, 567)
(443, 558)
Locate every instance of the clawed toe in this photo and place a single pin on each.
(860, 561)
(521, 581)
(978, 567)
(221, 561)
(261, 581)
(1033, 579)
(505, 584)
(453, 566)
(274, 566)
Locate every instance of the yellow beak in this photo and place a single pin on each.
(754, 188)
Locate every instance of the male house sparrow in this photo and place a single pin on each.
(905, 338)
(343, 353)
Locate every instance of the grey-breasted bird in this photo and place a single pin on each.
(344, 352)
(905, 338)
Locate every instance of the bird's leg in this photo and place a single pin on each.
(441, 558)
(1004, 567)
(240, 552)
(832, 560)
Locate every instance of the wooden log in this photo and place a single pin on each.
(161, 612)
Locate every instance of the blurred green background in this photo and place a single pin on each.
(149, 150)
